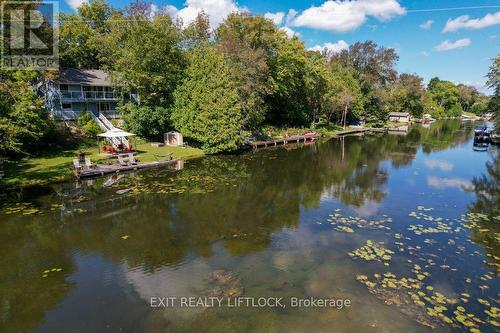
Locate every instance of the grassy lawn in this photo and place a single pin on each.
(470, 114)
(57, 166)
(271, 132)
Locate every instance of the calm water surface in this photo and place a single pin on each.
(404, 226)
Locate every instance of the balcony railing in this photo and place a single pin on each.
(73, 115)
(89, 95)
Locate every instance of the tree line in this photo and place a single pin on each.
(217, 86)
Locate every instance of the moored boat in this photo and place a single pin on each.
(480, 130)
(428, 119)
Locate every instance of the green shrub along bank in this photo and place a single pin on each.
(217, 86)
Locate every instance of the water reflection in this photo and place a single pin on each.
(218, 211)
(486, 230)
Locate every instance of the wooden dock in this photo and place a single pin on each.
(283, 141)
(361, 130)
(104, 169)
(352, 131)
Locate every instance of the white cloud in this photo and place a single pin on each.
(447, 45)
(292, 14)
(465, 22)
(369, 208)
(424, 54)
(443, 183)
(74, 4)
(343, 16)
(331, 47)
(427, 25)
(277, 18)
(477, 85)
(438, 164)
(170, 10)
(290, 32)
(217, 10)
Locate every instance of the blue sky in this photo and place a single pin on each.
(471, 41)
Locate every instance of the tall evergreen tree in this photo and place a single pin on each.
(494, 83)
(207, 107)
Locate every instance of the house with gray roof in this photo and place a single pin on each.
(75, 91)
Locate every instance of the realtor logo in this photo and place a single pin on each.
(29, 36)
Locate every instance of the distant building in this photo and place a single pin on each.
(399, 117)
(76, 91)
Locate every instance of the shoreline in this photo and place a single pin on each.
(43, 171)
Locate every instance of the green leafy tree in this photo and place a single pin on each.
(80, 34)
(23, 120)
(467, 96)
(145, 121)
(493, 82)
(197, 32)
(317, 84)
(207, 106)
(432, 107)
(288, 102)
(407, 95)
(374, 67)
(493, 76)
(247, 42)
(445, 93)
(343, 99)
(143, 55)
(480, 106)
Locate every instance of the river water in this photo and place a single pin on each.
(400, 232)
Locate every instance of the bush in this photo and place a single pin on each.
(91, 129)
(454, 111)
(147, 122)
(83, 119)
(88, 125)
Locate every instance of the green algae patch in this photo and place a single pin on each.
(373, 252)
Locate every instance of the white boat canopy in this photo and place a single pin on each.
(115, 133)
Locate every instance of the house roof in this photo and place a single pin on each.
(93, 77)
(399, 114)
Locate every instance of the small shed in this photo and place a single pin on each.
(399, 117)
(174, 139)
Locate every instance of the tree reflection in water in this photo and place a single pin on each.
(486, 230)
(234, 201)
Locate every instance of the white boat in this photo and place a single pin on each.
(428, 118)
(480, 130)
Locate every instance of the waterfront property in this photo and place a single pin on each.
(399, 117)
(398, 225)
(75, 91)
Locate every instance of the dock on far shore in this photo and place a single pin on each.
(310, 137)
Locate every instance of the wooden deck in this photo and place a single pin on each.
(352, 131)
(104, 169)
(282, 141)
(361, 130)
(309, 138)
